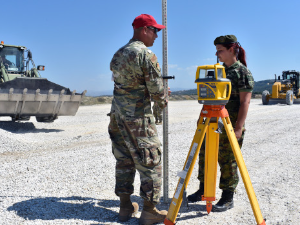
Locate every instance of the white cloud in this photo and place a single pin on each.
(187, 69)
(172, 66)
(194, 68)
(210, 59)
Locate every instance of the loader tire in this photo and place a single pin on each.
(265, 97)
(21, 118)
(289, 98)
(45, 119)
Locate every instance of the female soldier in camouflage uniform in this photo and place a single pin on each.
(232, 55)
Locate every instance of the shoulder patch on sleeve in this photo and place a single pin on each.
(154, 59)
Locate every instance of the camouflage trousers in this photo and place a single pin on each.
(136, 146)
(157, 112)
(228, 166)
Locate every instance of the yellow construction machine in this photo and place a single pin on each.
(286, 87)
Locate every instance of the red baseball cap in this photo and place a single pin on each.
(146, 20)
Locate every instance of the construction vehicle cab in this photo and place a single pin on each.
(24, 93)
(292, 78)
(12, 57)
(287, 87)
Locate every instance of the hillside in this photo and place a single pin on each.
(87, 100)
(259, 87)
(191, 94)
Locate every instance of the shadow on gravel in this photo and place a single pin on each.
(23, 127)
(199, 208)
(88, 209)
(52, 208)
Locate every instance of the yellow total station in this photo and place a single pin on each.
(214, 92)
(213, 88)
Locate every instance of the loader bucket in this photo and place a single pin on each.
(23, 97)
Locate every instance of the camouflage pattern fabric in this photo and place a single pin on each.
(241, 81)
(157, 112)
(136, 74)
(135, 144)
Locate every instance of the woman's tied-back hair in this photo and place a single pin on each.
(239, 51)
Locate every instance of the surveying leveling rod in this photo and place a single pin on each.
(165, 110)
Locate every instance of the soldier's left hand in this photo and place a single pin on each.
(238, 133)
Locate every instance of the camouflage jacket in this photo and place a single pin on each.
(136, 75)
(241, 81)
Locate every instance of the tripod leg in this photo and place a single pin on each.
(243, 170)
(187, 171)
(211, 163)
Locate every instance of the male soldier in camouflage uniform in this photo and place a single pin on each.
(242, 85)
(157, 112)
(132, 130)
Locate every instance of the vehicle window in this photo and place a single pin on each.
(12, 59)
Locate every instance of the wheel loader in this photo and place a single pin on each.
(287, 87)
(24, 93)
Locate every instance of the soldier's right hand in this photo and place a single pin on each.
(169, 91)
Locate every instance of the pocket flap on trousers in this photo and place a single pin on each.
(148, 142)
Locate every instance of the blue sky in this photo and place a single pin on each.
(76, 40)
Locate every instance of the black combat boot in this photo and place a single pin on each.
(225, 203)
(197, 196)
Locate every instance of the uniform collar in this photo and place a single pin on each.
(135, 40)
(233, 66)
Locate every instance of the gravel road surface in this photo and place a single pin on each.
(63, 172)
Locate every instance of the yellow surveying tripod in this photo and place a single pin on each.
(214, 92)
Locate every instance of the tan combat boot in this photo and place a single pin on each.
(127, 208)
(151, 214)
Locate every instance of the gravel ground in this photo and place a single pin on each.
(63, 172)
